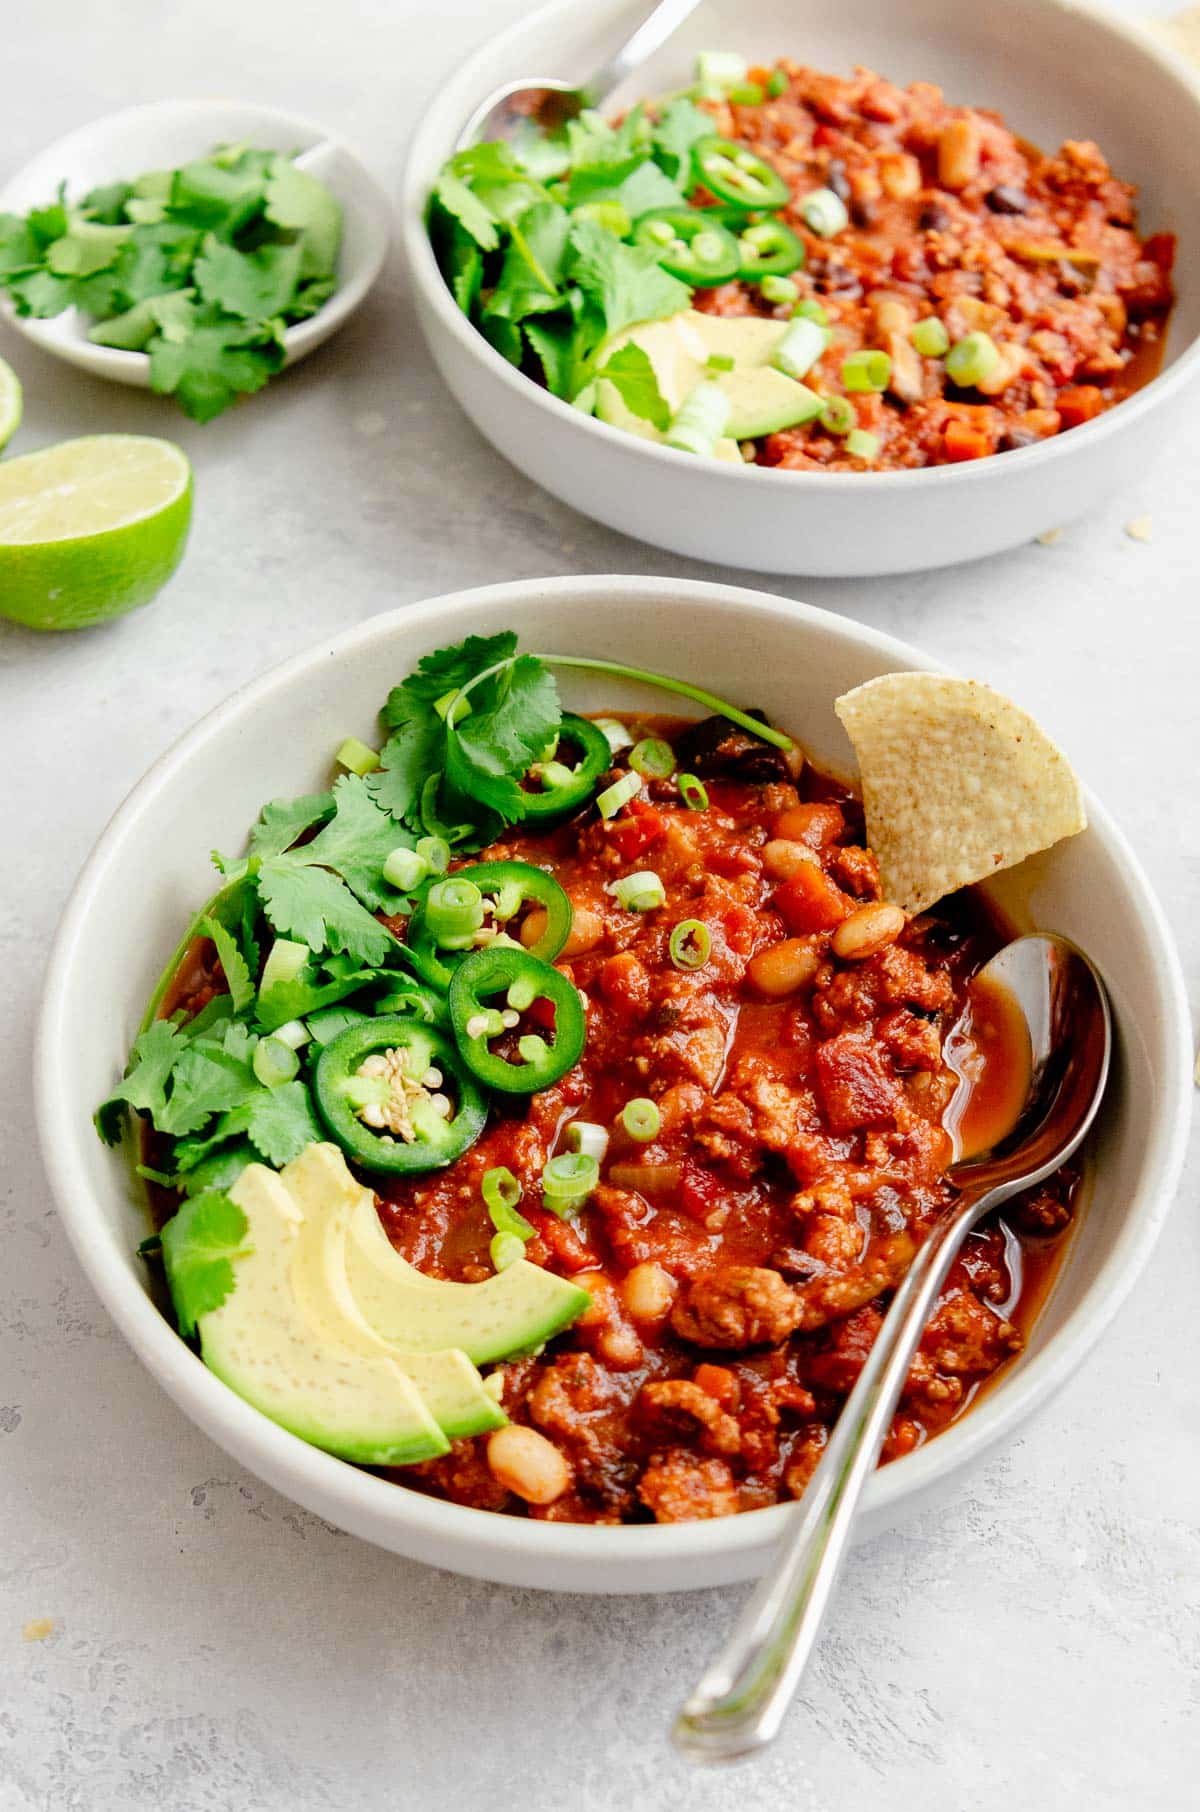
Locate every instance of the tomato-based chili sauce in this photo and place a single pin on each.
(952, 215)
(740, 1263)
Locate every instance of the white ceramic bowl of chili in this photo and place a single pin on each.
(273, 738)
(1046, 65)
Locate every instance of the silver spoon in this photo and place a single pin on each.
(550, 103)
(740, 1703)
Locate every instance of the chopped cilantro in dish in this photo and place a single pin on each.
(201, 268)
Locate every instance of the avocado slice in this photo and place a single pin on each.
(763, 400)
(518, 1308)
(333, 1392)
(326, 1195)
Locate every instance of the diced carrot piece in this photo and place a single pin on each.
(810, 901)
(1081, 403)
(962, 441)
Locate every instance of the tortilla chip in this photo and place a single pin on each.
(957, 783)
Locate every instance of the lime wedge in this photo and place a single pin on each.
(10, 403)
(91, 528)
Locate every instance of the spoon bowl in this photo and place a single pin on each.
(741, 1702)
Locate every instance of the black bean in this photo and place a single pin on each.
(837, 180)
(934, 218)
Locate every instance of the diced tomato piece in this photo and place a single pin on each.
(1080, 403)
(567, 1251)
(816, 823)
(637, 830)
(700, 1192)
(810, 901)
(541, 1014)
(963, 441)
(855, 1086)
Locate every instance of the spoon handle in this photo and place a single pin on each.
(654, 30)
(740, 1703)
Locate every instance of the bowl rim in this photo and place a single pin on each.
(1129, 34)
(303, 336)
(466, 1538)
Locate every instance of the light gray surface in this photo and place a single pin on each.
(1036, 1643)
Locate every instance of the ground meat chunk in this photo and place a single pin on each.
(677, 1409)
(854, 1085)
(966, 1337)
(679, 1488)
(740, 1305)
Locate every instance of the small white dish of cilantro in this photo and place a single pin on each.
(194, 248)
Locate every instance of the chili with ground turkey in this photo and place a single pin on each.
(950, 215)
(740, 1259)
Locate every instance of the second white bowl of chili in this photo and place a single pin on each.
(1051, 276)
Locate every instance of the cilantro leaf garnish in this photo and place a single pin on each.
(356, 842)
(626, 282)
(233, 964)
(296, 200)
(207, 1079)
(677, 129)
(316, 908)
(254, 285)
(222, 358)
(199, 1247)
(630, 370)
(282, 1123)
(531, 276)
(155, 1053)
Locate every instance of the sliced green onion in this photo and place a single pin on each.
(777, 290)
(653, 758)
(690, 945)
(800, 348)
(861, 445)
(274, 1062)
(568, 1180)
(839, 415)
(501, 1193)
(615, 733)
(639, 892)
(641, 1120)
(746, 94)
(824, 213)
(718, 362)
(776, 84)
(812, 310)
(608, 214)
(615, 797)
(358, 757)
(586, 1136)
(972, 359)
(453, 908)
(930, 337)
(435, 853)
(693, 792)
(453, 705)
(532, 1047)
(723, 67)
(505, 1249)
(554, 774)
(293, 1033)
(404, 868)
(701, 419)
(285, 959)
(866, 370)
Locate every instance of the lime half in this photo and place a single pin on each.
(91, 528)
(10, 403)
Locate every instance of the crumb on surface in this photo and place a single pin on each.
(1049, 538)
(37, 1629)
(1140, 529)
